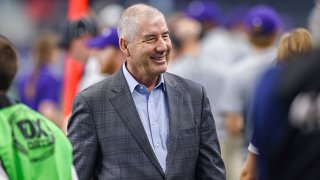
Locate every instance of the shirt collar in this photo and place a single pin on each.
(132, 82)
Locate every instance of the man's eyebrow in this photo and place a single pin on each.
(167, 32)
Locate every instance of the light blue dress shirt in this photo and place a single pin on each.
(153, 111)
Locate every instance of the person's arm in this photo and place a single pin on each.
(49, 95)
(250, 169)
(83, 137)
(74, 175)
(50, 110)
(3, 174)
(210, 164)
(232, 105)
(233, 123)
(261, 113)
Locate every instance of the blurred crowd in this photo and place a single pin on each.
(227, 53)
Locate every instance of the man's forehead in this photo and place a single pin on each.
(153, 26)
(155, 31)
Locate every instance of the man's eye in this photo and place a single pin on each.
(166, 37)
(150, 39)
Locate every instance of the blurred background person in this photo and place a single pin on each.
(31, 146)
(296, 44)
(292, 152)
(205, 50)
(237, 47)
(188, 62)
(105, 48)
(172, 19)
(40, 89)
(287, 105)
(314, 22)
(106, 17)
(74, 35)
(263, 26)
(215, 40)
(186, 33)
(235, 26)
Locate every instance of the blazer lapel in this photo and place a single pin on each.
(123, 103)
(175, 102)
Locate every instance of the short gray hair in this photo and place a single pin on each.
(128, 24)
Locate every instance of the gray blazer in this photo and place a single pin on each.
(109, 141)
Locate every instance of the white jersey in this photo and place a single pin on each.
(314, 23)
(221, 47)
(240, 85)
(92, 74)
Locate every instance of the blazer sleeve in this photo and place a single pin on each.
(83, 137)
(210, 164)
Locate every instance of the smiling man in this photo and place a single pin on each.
(144, 123)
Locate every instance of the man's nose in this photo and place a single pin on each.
(161, 45)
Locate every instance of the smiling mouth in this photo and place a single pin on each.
(162, 58)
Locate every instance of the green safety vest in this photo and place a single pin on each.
(32, 147)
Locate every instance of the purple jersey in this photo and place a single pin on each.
(44, 86)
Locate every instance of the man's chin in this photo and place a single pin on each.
(163, 67)
(160, 70)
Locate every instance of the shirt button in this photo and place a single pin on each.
(157, 144)
(153, 123)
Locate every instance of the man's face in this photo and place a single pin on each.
(110, 59)
(78, 50)
(149, 52)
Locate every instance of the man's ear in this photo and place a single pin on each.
(123, 45)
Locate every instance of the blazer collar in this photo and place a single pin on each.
(175, 104)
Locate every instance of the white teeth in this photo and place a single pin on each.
(158, 58)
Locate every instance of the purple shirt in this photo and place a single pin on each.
(47, 87)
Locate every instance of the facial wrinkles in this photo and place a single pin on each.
(159, 43)
(161, 49)
(136, 67)
(150, 39)
(143, 68)
(141, 43)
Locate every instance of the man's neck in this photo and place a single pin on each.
(149, 82)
